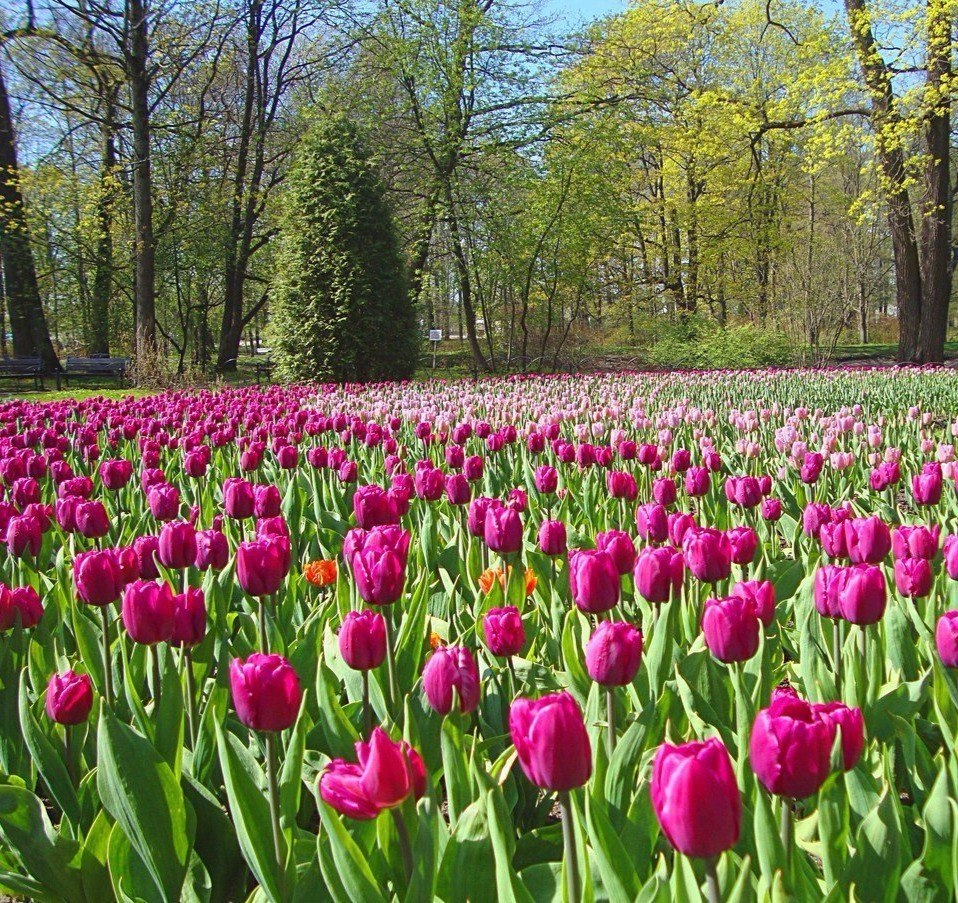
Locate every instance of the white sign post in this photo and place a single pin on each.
(435, 336)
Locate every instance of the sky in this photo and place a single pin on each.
(574, 11)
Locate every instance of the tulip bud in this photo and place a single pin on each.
(746, 492)
(546, 479)
(380, 575)
(115, 474)
(458, 490)
(761, 595)
(926, 487)
(619, 545)
(212, 550)
(771, 509)
(696, 797)
(177, 546)
(913, 577)
(262, 565)
(504, 634)
(540, 728)
(266, 692)
(503, 529)
(21, 606)
(868, 539)
(731, 628)
(473, 468)
(593, 580)
(614, 653)
(707, 554)
(790, 747)
(862, 595)
(24, 536)
(239, 502)
(148, 612)
(916, 541)
(697, 481)
(658, 573)
(164, 502)
(552, 538)
(852, 726)
(622, 485)
(189, 618)
(652, 522)
(373, 507)
(946, 639)
(664, 491)
(267, 501)
(362, 640)
(97, 577)
(69, 697)
(743, 543)
(91, 519)
(451, 668)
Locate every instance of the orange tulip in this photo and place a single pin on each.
(321, 572)
(488, 578)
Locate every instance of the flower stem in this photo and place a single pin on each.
(367, 712)
(107, 675)
(71, 754)
(190, 696)
(712, 892)
(787, 832)
(863, 654)
(391, 668)
(154, 654)
(272, 776)
(263, 632)
(573, 884)
(610, 718)
(405, 847)
(837, 654)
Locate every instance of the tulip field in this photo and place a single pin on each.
(615, 637)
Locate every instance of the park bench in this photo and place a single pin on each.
(22, 368)
(93, 368)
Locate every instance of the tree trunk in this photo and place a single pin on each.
(138, 77)
(103, 274)
(891, 157)
(936, 259)
(31, 337)
(465, 285)
(231, 330)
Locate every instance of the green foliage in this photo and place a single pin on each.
(699, 344)
(340, 310)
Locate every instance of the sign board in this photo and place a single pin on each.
(435, 335)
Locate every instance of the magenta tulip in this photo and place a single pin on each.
(552, 742)
(362, 640)
(731, 627)
(266, 692)
(504, 633)
(451, 668)
(69, 698)
(696, 797)
(614, 653)
(593, 580)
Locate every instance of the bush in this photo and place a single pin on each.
(340, 309)
(701, 345)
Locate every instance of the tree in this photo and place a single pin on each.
(340, 309)
(31, 336)
(923, 252)
(273, 69)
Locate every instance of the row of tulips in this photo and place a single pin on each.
(594, 638)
